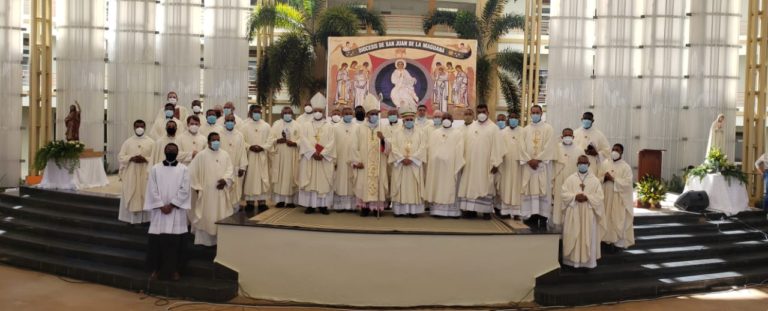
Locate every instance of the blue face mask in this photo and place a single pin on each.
(211, 119)
(514, 122)
(536, 118)
(288, 118)
(227, 111)
(374, 119)
(437, 121)
(501, 124)
(229, 125)
(392, 119)
(347, 119)
(408, 124)
(169, 113)
(586, 123)
(215, 145)
(256, 116)
(583, 168)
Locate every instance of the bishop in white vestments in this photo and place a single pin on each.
(583, 217)
(409, 153)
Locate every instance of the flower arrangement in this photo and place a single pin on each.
(717, 162)
(66, 154)
(651, 191)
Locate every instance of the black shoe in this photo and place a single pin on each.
(309, 210)
(487, 216)
(280, 204)
(542, 223)
(290, 205)
(497, 212)
(249, 208)
(324, 210)
(263, 208)
(364, 212)
(516, 217)
(414, 216)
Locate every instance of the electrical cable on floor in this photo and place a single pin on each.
(160, 301)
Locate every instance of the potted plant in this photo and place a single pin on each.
(650, 192)
(65, 154)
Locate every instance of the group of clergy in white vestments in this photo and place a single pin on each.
(353, 161)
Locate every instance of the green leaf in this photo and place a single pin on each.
(370, 19)
(438, 18)
(336, 22)
(466, 26)
(511, 61)
(483, 79)
(502, 25)
(279, 15)
(511, 92)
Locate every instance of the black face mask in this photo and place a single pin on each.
(171, 131)
(359, 115)
(170, 157)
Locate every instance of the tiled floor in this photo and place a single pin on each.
(22, 290)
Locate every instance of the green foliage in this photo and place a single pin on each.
(288, 61)
(337, 21)
(511, 92)
(483, 80)
(279, 15)
(717, 162)
(66, 154)
(511, 61)
(438, 18)
(675, 184)
(651, 190)
(370, 19)
(503, 25)
(466, 26)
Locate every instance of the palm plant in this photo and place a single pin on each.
(487, 28)
(297, 58)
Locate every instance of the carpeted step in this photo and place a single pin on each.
(703, 226)
(69, 218)
(71, 196)
(189, 287)
(733, 234)
(669, 217)
(90, 209)
(685, 251)
(632, 287)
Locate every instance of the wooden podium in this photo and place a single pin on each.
(649, 163)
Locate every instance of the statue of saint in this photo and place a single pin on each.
(72, 121)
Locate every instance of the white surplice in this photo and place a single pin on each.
(168, 185)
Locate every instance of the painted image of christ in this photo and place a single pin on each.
(403, 91)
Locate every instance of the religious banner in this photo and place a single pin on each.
(436, 72)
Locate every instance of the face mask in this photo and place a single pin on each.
(482, 117)
(172, 100)
(335, 119)
(447, 123)
(256, 116)
(169, 113)
(229, 125)
(171, 156)
(514, 122)
(586, 123)
(139, 131)
(392, 119)
(227, 111)
(359, 115)
(288, 118)
(422, 119)
(408, 124)
(318, 115)
(211, 119)
(583, 168)
(215, 145)
(308, 109)
(171, 131)
(347, 119)
(615, 155)
(374, 119)
(536, 118)
(193, 129)
(437, 121)
(196, 109)
(567, 140)
(501, 124)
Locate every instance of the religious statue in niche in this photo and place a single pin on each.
(72, 121)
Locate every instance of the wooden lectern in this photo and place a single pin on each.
(649, 163)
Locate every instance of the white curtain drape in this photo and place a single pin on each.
(617, 55)
(569, 84)
(131, 71)
(645, 94)
(179, 51)
(10, 91)
(714, 76)
(80, 50)
(226, 54)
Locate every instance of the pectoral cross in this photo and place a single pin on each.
(408, 148)
(582, 186)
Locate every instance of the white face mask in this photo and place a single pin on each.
(318, 115)
(139, 131)
(308, 109)
(172, 100)
(615, 155)
(196, 109)
(447, 123)
(336, 119)
(482, 117)
(567, 140)
(194, 128)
